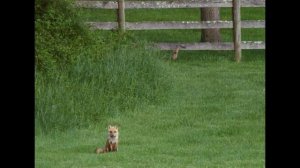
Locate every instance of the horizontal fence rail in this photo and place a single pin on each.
(210, 46)
(176, 25)
(169, 4)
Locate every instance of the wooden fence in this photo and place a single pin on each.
(236, 23)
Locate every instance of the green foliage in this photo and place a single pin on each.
(59, 34)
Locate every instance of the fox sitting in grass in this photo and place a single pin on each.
(111, 142)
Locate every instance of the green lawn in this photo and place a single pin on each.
(214, 116)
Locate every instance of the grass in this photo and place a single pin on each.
(214, 115)
(192, 14)
(92, 89)
(214, 118)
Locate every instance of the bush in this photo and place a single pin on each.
(59, 34)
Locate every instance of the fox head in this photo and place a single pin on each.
(113, 131)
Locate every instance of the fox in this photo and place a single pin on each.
(176, 50)
(111, 142)
(175, 53)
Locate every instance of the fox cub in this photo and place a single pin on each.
(175, 53)
(111, 142)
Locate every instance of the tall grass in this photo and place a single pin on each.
(91, 89)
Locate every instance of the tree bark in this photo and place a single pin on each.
(210, 35)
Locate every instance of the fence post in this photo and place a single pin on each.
(237, 29)
(121, 15)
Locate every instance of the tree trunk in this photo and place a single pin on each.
(210, 35)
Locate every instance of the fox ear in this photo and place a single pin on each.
(109, 126)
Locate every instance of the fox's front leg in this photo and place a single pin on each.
(115, 147)
(111, 147)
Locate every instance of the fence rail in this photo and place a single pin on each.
(176, 25)
(211, 46)
(237, 45)
(169, 4)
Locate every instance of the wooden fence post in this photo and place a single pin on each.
(121, 15)
(237, 29)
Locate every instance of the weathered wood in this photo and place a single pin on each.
(246, 45)
(177, 4)
(210, 46)
(169, 4)
(253, 3)
(237, 29)
(253, 24)
(121, 15)
(97, 4)
(103, 25)
(210, 35)
(176, 25)
(195, 46)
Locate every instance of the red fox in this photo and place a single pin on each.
(111, 142)
(175, 53)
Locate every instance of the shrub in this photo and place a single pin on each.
(59, 34)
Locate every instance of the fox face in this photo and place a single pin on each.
(113, 132)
